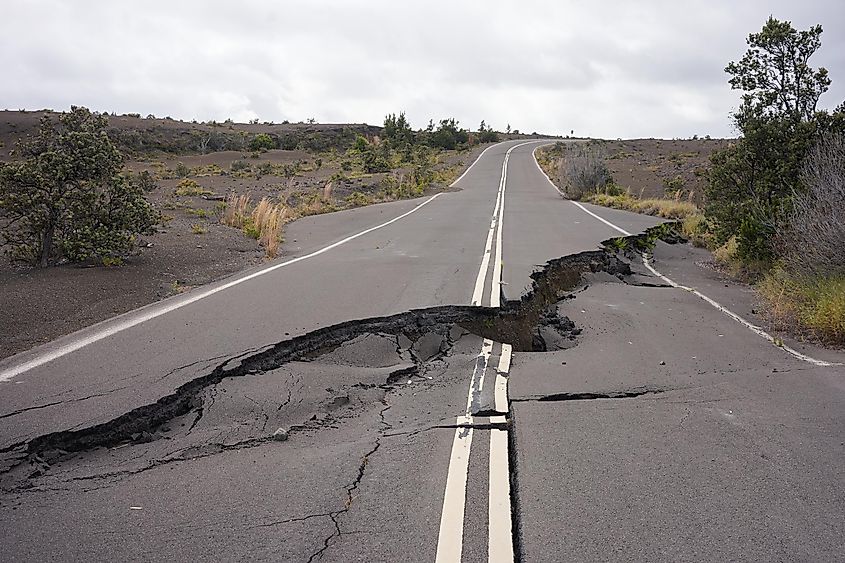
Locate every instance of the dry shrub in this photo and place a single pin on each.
(813, 243)
(327, 191)
(584, 170)
(235, 214)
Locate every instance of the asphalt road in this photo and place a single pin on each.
(424, 414)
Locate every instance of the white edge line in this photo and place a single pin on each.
(543, 172)
(552, 184)
(752, 327)
(603, 220)
(192, 298)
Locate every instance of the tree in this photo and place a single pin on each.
(752, 182)
(486, 133)
(447, 135)
(397, 130)
(66, 197)
(775, 75)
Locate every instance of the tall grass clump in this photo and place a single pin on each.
(263, 222)
(268, 218)
(236, 211)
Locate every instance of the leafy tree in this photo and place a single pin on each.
(397, 130)
(752, 182)
(447, 135)
(66, 198)
(775, 75)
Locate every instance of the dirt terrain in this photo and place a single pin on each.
(191, 247)
(656, 167)
(652, 166)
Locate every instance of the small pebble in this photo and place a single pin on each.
(280, 435)
(662, 363)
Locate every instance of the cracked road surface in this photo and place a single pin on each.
(467, 377)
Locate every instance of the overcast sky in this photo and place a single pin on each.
(605, 69)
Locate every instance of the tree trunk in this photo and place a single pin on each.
(46, 245)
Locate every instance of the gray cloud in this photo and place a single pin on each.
(612, 69)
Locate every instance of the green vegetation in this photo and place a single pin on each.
(67, 199)
(817, 303)
(189, 187)
(486, 134)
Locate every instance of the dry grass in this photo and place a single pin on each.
(814, 304)
(268, 219)
(235, 213)
(263, 222)
(677, 208)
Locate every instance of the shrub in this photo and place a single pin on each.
(486, 134)
(67, 198)
(181, 170)
(375, 158)
(262, 142)
(188, 187)
(397, 130)
(240, 166)
(359, 199)
(264, 168)
(145, 181)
